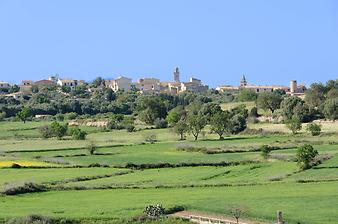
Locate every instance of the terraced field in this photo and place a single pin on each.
(126, 174)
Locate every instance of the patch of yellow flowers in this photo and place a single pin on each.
(8, 163)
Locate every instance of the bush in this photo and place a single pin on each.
(59, 117)
(151, 138)
(31, 219)
(305, 156)
(91, 148)
(46, 131)
(78, 134)
(59, 130)
(265, 151)
(294, 125)
(160, 123)
(154, 211)
(172, 210)
(71, 116)
(16, 166)
(28, 187)
(314, 129)
(130, 128)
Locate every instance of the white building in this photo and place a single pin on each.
(68, 83)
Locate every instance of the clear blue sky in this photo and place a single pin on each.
(214, 40)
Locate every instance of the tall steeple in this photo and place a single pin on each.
(243, 81)
(177, 75)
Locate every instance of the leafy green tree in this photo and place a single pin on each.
(66, 89)
(14, 89)
(46, 131)
(246, 95)
(91, 147)
(209, 109)
(295, 107)
(181, 128)
(305, 156)
(175, 115)
(219, 123)
(265, 151)
(237, 123)
(24, 114)
(331, 108)
(150, 108)
(77, 133)
(59, 130)
(314, 129)
(294, 125)
(196, 123)
(269, 101)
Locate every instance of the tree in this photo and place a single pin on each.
(331, 108)
(314, 129)
(78, 134)
(219, 123)
(196, 123)
(237, 212)
(265, 151)
(269, 101)
(295, 107)
(59, 130)
(175, 115)
(294, 125)
(150, 108)
(24, 114)
(305, 156)
(14, 89)
(246, 95)
(46, 131)
(181, 128)
(91, 147)
(236, 124)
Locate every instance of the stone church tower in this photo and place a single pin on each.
(177, 75)
(243, 81)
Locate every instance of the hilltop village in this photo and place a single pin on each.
(146, 85)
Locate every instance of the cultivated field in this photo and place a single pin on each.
(126, 174)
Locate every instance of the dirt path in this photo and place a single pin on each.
(187, 214)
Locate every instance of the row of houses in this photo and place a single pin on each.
(154, 85)
(293, 89)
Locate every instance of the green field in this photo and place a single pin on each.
(234, 174)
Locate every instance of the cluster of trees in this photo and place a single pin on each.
(321, 101)
(193, 118)
(59, 130)
(95, 98)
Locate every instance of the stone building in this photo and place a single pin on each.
(121, 83)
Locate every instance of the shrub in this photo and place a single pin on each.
(265, 151)
(16, 166)
(160, 123)
(46, 131)
(314, 129)
(59, 130)
(78, 134)
(130, 128)
(151, 138)
(294, 125)
(28, 187)
(172, 210)
(59, 117)
(71, 116)
(154, 211)
(31, 219)
(305, 156)
(91, 148)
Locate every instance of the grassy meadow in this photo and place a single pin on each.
(125, 174)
